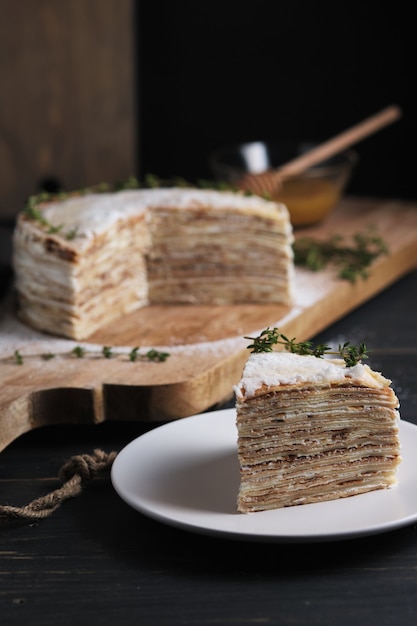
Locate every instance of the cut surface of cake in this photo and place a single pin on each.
(86, 260)
(313, 429)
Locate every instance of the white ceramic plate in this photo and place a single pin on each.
(186, 474)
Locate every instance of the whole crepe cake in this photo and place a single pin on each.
(86, 260)
(312, 429)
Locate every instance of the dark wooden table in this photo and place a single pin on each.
(97, 561)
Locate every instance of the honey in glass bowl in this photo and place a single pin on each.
(309, 197)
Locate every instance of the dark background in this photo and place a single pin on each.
(97, 90)
(214, 73)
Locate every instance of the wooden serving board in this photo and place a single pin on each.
(206, 344)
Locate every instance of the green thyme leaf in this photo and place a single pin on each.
(352, 354)
(133, 354)
(71, 234)
(79, 352)
(266, 340)
(271, 337)
(352, 260)
(152, 181)
(18, 357)
(107, 352)
(155, 355)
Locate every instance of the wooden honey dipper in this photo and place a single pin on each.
(269, 181)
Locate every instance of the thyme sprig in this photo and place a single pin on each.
(270, 337)
(150, 181)
(33, 212)
(352, 259)
(107, 352)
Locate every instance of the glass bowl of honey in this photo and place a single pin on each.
(309, 196)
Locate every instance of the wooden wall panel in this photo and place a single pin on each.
(67, 95)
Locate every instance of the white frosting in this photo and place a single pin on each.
(92, 214)
(285, 368)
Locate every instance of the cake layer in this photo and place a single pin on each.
(218, 257)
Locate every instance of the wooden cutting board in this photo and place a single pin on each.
(206, 344)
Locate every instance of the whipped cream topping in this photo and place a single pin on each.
(285, 368)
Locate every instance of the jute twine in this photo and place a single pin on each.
(74, 474)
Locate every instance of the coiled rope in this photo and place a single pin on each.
(74, 474)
